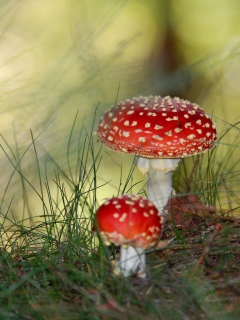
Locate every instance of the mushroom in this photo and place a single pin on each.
(132, 222)
(160, 131)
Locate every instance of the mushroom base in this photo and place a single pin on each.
(132, 260)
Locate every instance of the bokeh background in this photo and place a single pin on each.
(61, 57)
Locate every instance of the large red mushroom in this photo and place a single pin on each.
(133, 223)
(160, 131)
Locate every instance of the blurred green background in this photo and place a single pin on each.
(62, 56)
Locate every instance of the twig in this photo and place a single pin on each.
(161, 245)
(207, 247)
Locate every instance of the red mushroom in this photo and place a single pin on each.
(133, 223)
(160, 131)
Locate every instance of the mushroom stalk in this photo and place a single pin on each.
(159, 187)
(132, 260)
(159, 179)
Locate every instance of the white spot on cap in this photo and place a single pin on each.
(126, 123)
(138, 130)
(199, 131)
(157, 127)
(130, 112)
(126, 134)
(151, 229)
(177, 129)
(145, 214)
(147, 125)
(191, 111)
(187, 124)
(207, 125)
(110, 138)
(131, 203)
(141, 113)
(115, 128)
(169, 133)
(142, 139)
(208, 134)
(160, 153)
(116, 215)
(191, 136)
(134, 123)
(153, 114)
(123, 217)
(155, 136)
(114, 119)
(186, 116)
(110, 114)
(199, 121)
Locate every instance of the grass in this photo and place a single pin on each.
(53, 267)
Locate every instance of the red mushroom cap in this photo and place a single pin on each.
(129, 220)
(157, 127)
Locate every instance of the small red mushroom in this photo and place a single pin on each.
(133, 223)
(160, 131)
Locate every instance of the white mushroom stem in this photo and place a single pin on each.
(159, 179)
(132, 260)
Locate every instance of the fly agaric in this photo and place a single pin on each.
(133, 223)
(160, 131)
